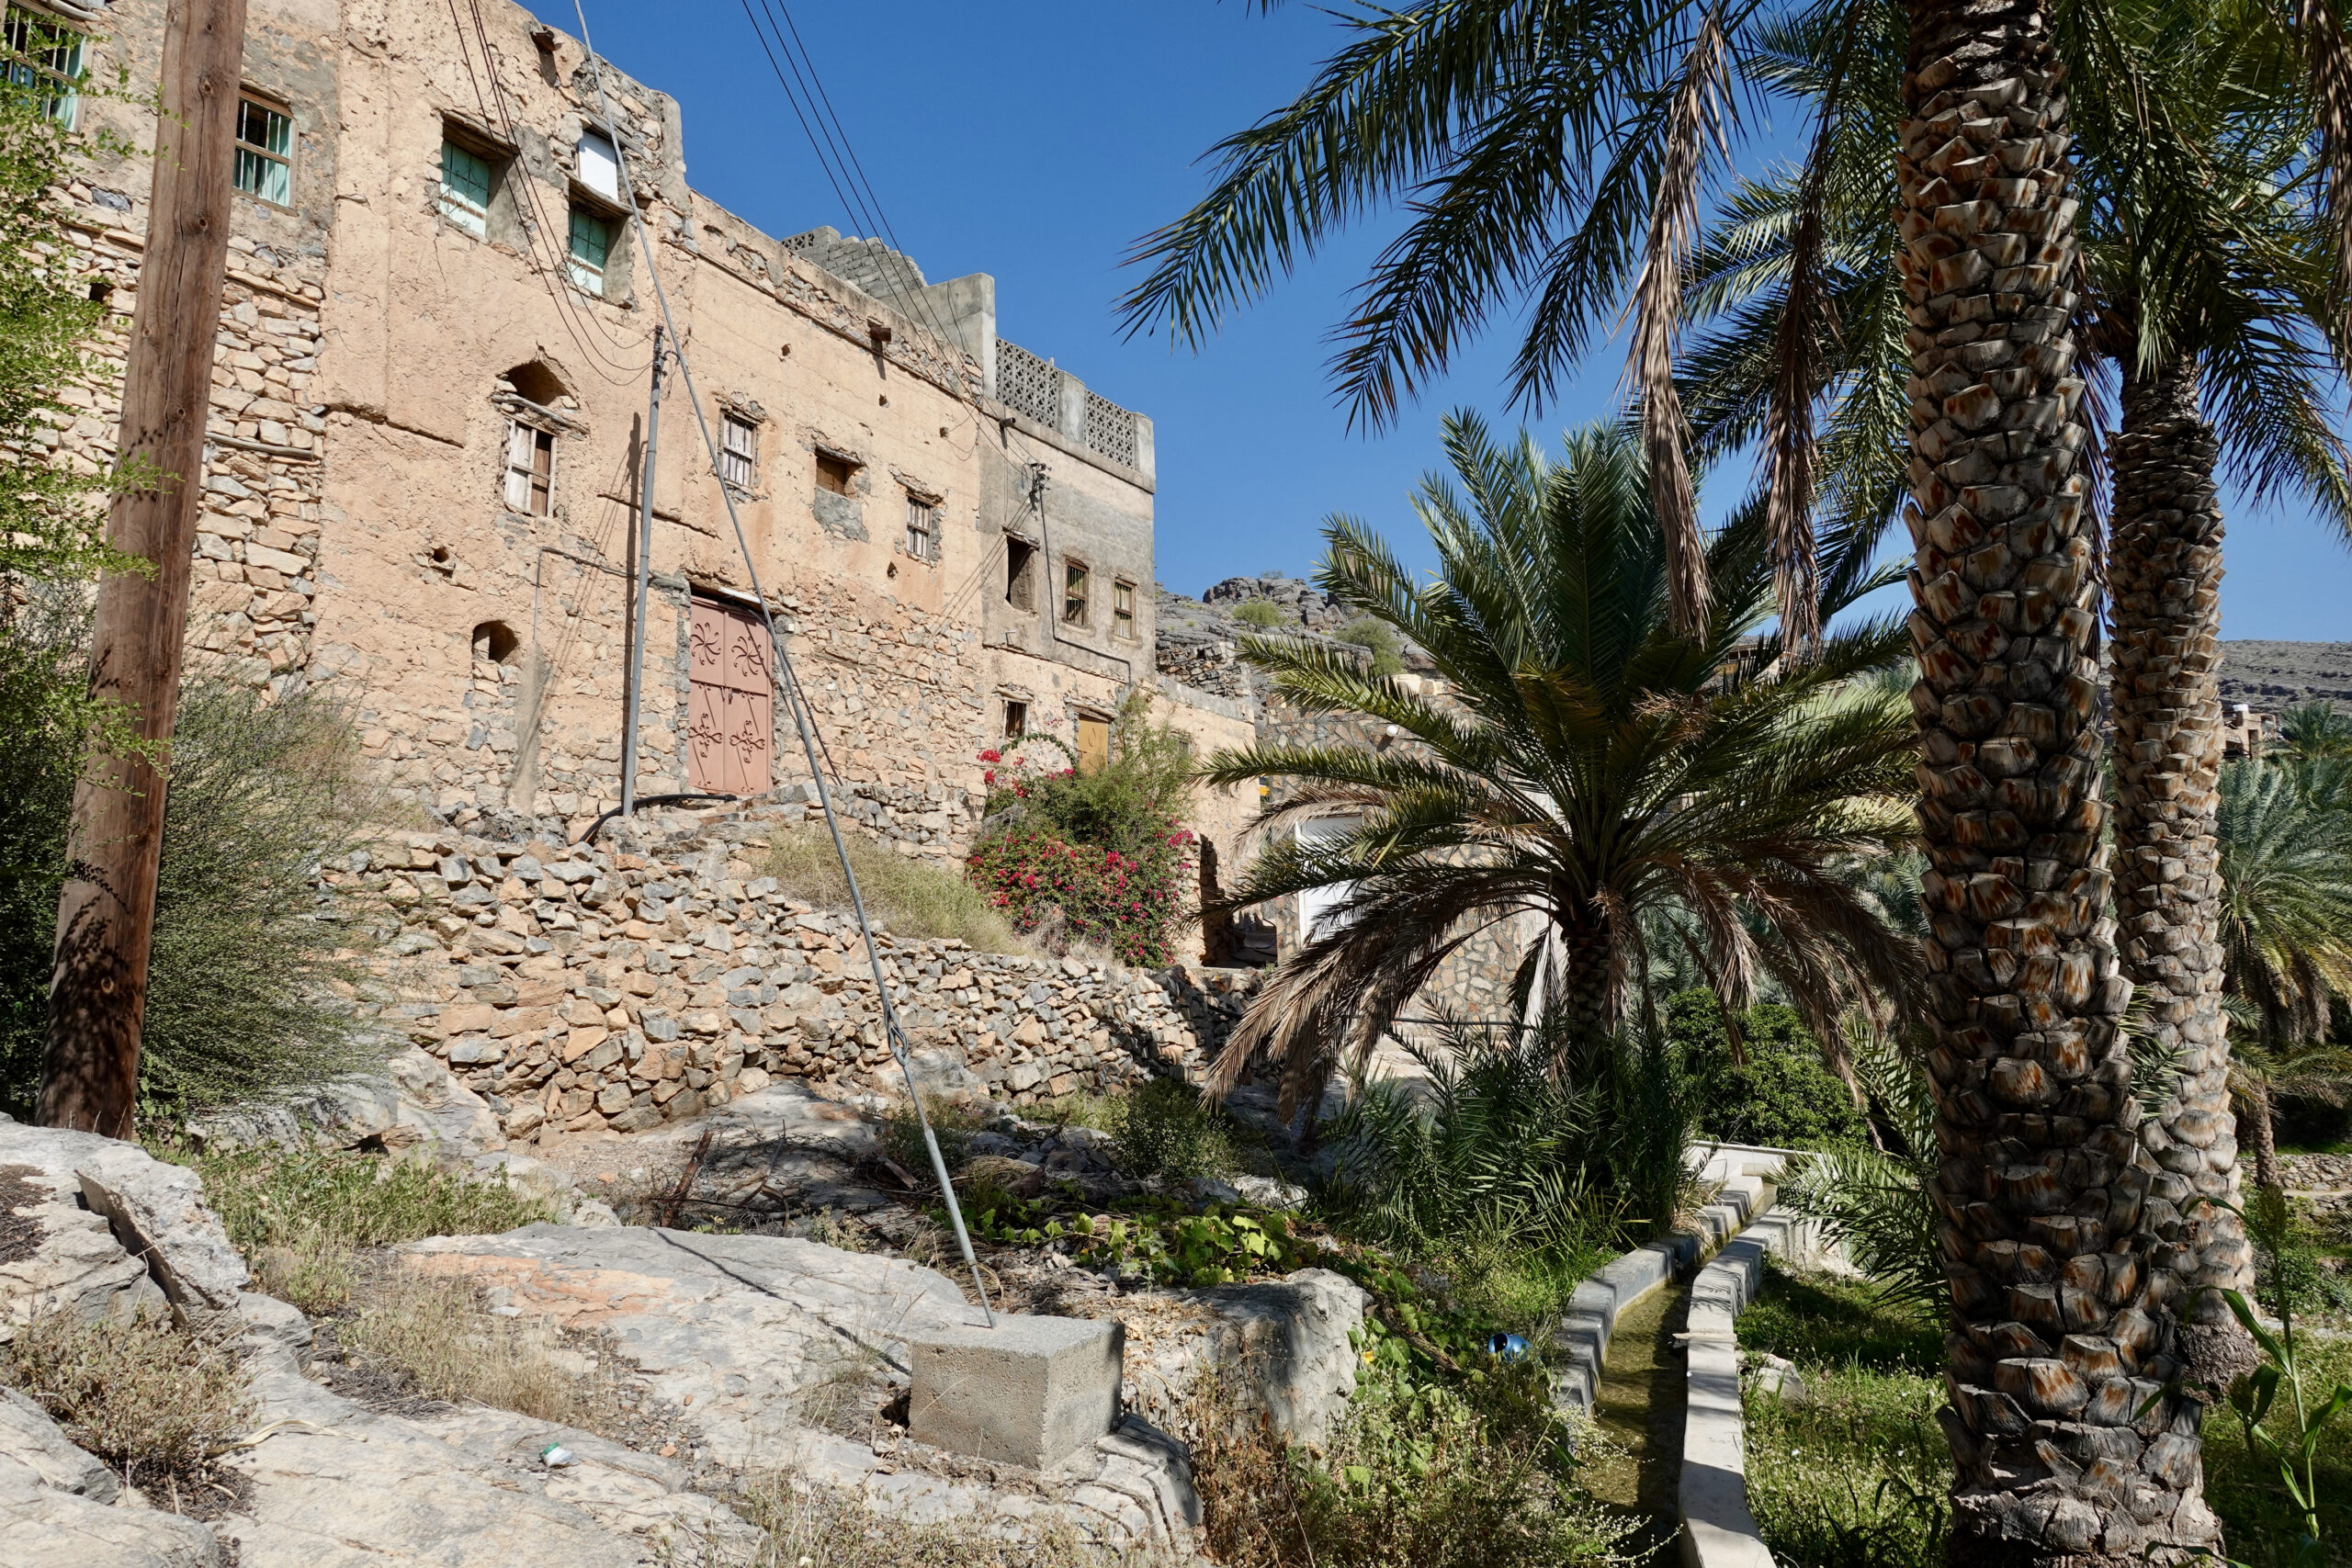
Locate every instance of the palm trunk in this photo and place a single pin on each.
(2047, 1220)
(2255, 1124)
(2165, 566)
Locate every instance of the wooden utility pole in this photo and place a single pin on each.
(105, 919)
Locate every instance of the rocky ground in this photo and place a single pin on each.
(2273, 676)
(761, 1333)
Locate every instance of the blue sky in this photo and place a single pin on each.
(1036, 141)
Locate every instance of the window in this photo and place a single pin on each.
(530, 469)
(1077, 584)
(1016, 719)
(836, 475)
(600, 169)
(739, 451)
(922, 527)
(265, 150)
(591, 246)
(465, 189)
(495, 643)
(1123, 610)
(1020, 573)
(45, 55)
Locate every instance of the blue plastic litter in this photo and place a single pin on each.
(1508, 1347)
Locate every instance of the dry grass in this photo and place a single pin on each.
(430, 1333)
(913, 898)
(813, 1526)
(154, 1401)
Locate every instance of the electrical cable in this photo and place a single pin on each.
(894, 1033)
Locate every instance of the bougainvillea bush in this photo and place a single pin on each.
(1103, 851)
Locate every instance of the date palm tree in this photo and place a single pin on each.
(2204, 268)
(1588, 765)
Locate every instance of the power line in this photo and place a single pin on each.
(803, 717)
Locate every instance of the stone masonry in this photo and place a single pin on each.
(585, 988)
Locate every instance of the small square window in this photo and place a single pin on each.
(739, 451)
(922, 527)
(592, 247)
(836, 475)
(1016, 719)
(1077, 586)
(45, 55)
(265, 152)
(465, 188)
(1123, 610)
(530, 469)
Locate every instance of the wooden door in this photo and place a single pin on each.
(730, 713)
(1093, 743)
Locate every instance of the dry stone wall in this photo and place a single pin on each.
(585, 988)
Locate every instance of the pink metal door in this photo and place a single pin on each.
(730, 713)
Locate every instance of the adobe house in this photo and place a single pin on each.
(428, 428)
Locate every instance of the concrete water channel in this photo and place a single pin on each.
(1638, 1406)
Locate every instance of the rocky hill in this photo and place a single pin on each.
(2273, 676)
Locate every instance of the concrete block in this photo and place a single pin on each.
(1031, 1391)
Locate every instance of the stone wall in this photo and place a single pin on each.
(590, 988)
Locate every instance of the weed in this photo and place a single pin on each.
(912, 897)
(264, 1195)
(952, 1122)
(1832, 1322)
(1857, 1475)
(155, 1400)
(815, 1527)
(1430, 1473)
(1165, 1130)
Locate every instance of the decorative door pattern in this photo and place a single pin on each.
(730, 713)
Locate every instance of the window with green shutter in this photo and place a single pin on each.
(265, 152)
(591, 246)
(465, 189)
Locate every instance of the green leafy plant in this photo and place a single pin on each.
(952, 1122)
(1761, 1077)
(1877, 1202)
(1165, 1129)
(2295, 1452)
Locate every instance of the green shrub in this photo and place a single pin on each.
(1780, 1096)
(1263, 614)
(1377, 638)
(1856, 1476)
(913, 898)
(1164, 1129)
(255, 959)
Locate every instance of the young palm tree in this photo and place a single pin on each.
(2285, 833)
(1589, 766)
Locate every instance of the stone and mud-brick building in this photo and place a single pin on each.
(428, 433)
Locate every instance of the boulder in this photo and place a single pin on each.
(153, 1213)
(46, 1528)
(28, 1437)
(756, 1337)
(1281, 1349)
(412, 1105)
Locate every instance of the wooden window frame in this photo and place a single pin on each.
(850, 468)
(1017, 718)
(739, 466)
(1021, 573)
(260, 155)
(923, 526)
(1123, 609)
(1085, 596)
(532, 480)
(33, 61)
